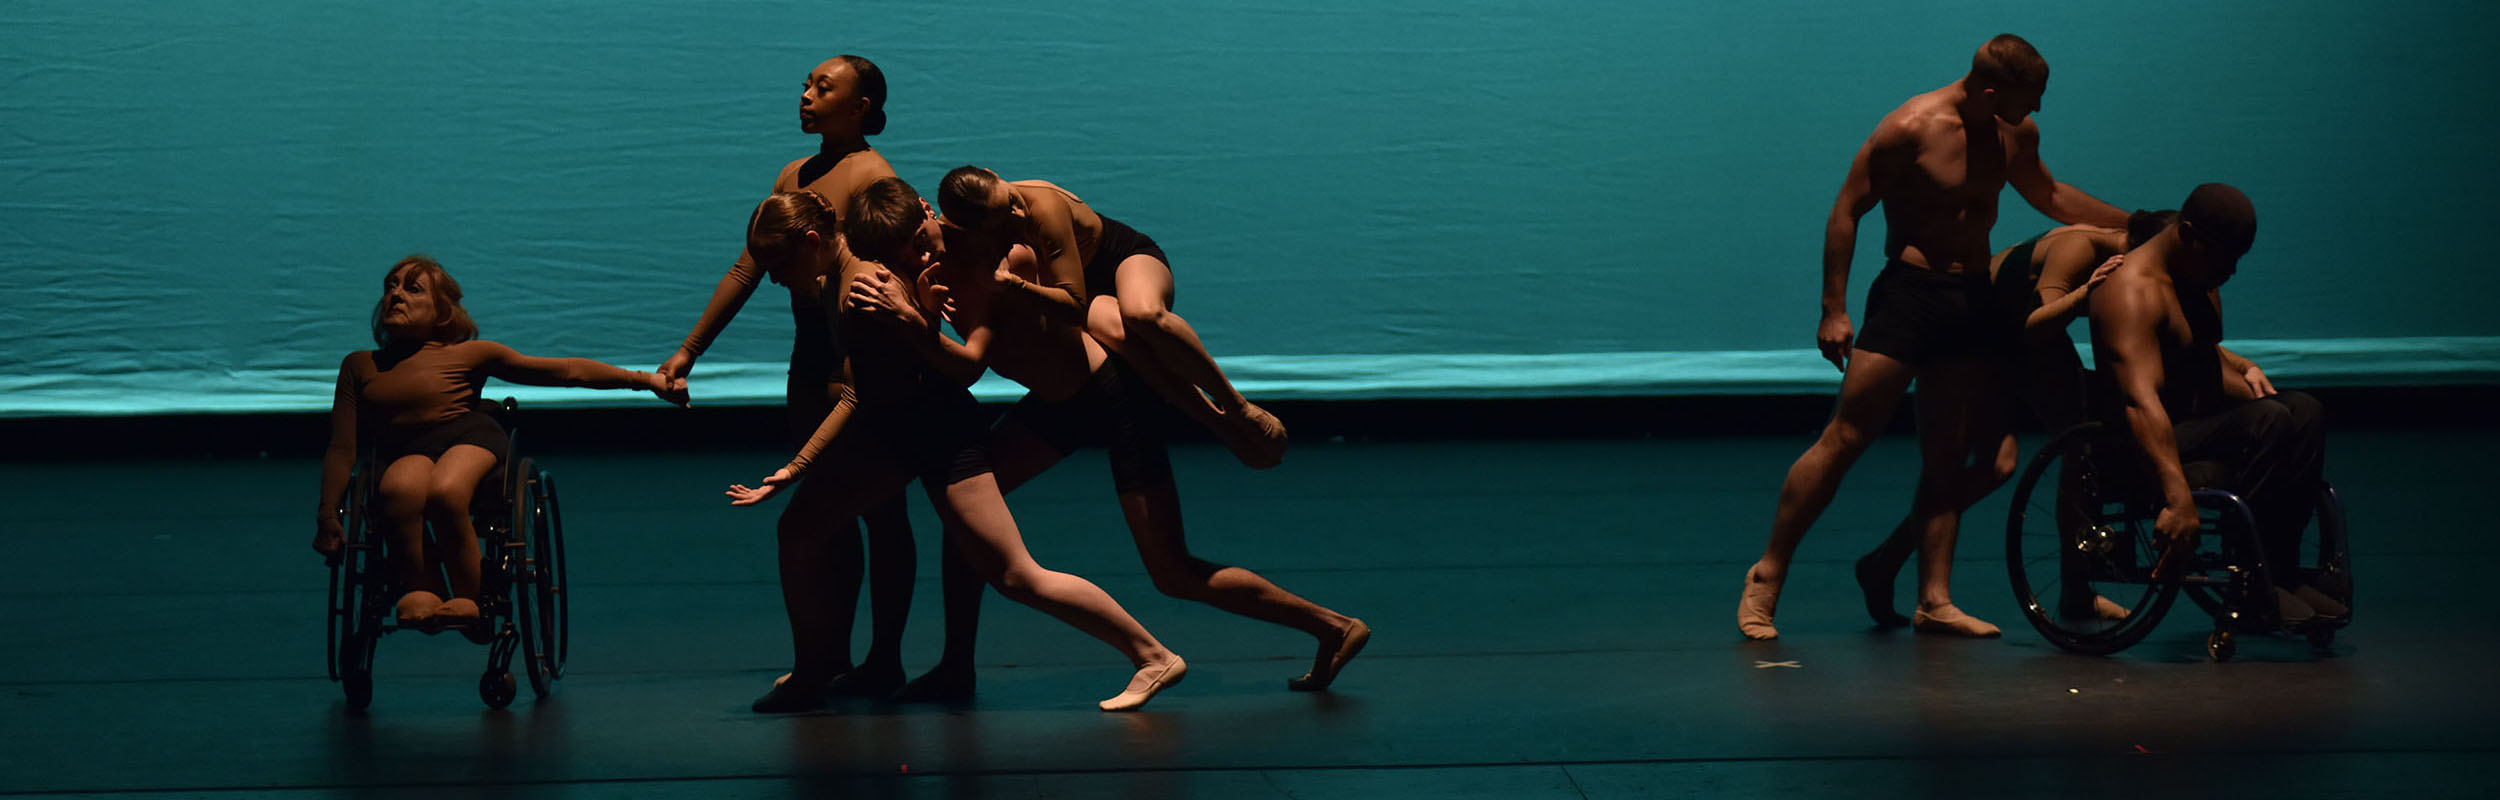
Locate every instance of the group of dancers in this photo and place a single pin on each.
(1036, 285)
(1041, 288)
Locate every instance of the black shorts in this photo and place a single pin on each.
(1111, 412)
(940, 434)
(431, 441)
(1920, 316)
(1118, 243)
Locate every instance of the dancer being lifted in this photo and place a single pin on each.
(900, 415)
(1107, 278)
(1078, 395)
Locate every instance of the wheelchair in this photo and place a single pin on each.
(523, 606)
(2081, 526)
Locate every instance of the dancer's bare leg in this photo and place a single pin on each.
(1957, 407)
(1154, 520)
(1016, 455)
(1167, 352)
(403, 488)
(978, 521)
(1869, 392)
(452, 482)
(1990, 465)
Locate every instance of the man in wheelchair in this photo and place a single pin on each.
(2201, 417)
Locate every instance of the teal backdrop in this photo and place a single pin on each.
(1362, 198)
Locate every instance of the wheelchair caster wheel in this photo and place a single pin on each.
(497, 689)
(359, 685)
(2220, 646)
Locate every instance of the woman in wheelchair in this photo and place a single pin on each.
(415, 402)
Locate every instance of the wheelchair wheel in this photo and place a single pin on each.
(2075, 537)
(356, 597)
(497, 688)
(537, 598)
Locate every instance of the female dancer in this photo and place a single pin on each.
(898, 416)
(418, 395)
(844, 103)
(1114, 282)
(1078, 395)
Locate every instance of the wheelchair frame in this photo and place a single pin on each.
(523, 605)
(2100, 516)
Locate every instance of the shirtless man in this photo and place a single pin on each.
(2157, 330)
(844, 103)
(1079, 395)
(1937, 165)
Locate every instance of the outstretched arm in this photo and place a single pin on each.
(727, 298)
(845, 404)
(503, 362)
(2054, 199)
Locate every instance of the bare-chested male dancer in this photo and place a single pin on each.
(1937, 165)
(843, 102)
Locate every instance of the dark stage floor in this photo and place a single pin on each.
(1555, 619)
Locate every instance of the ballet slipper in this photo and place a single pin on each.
(1754, 609)
(788, 696)
(1950, 621)
(418, 606)
(1260, 439)
(1332, 660)
(1150, 680)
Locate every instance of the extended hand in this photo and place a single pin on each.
(1834, 336)
(740, 495)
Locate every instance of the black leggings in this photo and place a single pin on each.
(2272, 453)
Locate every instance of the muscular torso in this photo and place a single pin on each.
(1940, 199)
(2189, 334)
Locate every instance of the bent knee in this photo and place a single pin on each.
(1020, 585)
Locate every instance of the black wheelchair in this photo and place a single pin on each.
(2081, 529)
(522, 607)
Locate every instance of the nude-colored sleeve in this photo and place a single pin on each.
(339, 460)
(509, 364)
(845, 404)
(727, 298)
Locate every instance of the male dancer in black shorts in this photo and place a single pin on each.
(1937, 165)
